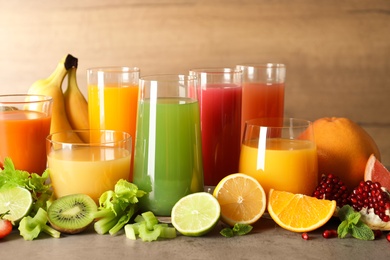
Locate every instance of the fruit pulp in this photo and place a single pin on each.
(87, 170)
(114, 108)
(23, 139)
(220, 108)
(261, 100)
(285, 165)
(167, 159)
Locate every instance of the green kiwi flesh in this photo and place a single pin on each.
(71, 214)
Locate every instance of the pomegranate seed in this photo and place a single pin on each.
(332, 188)
(305, 236)
(370, 195)
(329, 233)
(377, 234)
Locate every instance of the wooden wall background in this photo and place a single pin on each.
(337, 52)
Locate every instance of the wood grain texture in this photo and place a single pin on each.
(337, 52)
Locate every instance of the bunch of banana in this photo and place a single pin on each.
(70, 108)
(76, 105)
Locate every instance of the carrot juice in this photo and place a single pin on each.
(262, 100)
(22, 138)
(283, 164)
(88, 170)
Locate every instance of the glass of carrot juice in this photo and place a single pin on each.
(113, 99)
(90, 166)
(281, 157)
(24, 124)
(263, 86)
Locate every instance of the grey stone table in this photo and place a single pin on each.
(266, 241)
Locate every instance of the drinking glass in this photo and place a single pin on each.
(168, 153)
(280, 157)
(262, 91)
(24, 124)
(113, 99)
(90, 167)
(219, 91)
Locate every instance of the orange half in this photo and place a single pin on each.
(242, 199)
(297, 212)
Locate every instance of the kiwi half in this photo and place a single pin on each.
(71, 214)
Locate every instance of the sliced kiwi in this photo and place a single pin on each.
(71, 214)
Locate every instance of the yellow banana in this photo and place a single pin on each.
(52, 86)
(76, 106)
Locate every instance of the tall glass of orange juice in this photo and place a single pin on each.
(90, 167)
(280, 157)
(24, 124)
(263, 87)
(113, 99)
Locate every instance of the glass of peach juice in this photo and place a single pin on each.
(281, 154)
(91, 166)
(24, 124)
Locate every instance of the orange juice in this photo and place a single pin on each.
(88, 170)
(114, 108)
(287, 165)
(22, 138)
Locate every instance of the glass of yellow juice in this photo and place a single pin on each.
(113, 99)
(91, 166)
(281, 154)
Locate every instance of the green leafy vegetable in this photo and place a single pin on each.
(351, 224)
(237, 230)
(117, 207)
(38, 185)
(31, 227)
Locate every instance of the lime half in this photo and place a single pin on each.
(196, 214)
(17, 201)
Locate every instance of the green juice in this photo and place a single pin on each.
(168, 157)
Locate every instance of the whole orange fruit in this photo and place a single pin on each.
(343, 148)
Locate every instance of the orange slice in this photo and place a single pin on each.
(242, 199)
(297, 212)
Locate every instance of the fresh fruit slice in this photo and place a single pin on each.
(297, 212)
(242, 199)
(17, 201)
(377, 172)
(72, 213)
(196, 214)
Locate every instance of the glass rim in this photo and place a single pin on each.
(257, 122)
(167, 77)
(114, 69)
(8, 99)
(216, 70)
(262, 65)
(126, 137)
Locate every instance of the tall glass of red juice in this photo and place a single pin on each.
(24, 126)
(262, 91)
(219, 93)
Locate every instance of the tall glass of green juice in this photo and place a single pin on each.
(168, 158)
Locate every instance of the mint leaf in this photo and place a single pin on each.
(362, 231)
(237, 230)
(342, 229)
(227, 232)
(242, 229)
(351, 224)
(354, 218)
